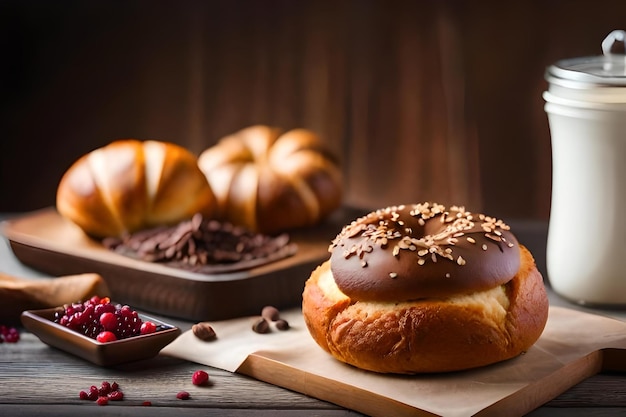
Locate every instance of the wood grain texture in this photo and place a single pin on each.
(31, 371)
(419, 100)
(31, 375)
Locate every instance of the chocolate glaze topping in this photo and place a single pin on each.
(425, 250)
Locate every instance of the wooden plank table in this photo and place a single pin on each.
(36, 380)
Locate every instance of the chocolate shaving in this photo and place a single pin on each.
(203, 245)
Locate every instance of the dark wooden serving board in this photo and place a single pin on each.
(51, 244)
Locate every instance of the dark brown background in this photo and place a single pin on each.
(421, 100)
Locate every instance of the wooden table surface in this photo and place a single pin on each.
(36, 380)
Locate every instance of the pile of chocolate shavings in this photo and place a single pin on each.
(203, 245)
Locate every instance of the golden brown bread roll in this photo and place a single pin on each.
(422, 288)
(130, 185)
(269, 181)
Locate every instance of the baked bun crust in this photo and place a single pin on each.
(129, 185)
(461, 329)
(270, 181)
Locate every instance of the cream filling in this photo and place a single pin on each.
(493, 302)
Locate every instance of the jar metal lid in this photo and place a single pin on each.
(608, 69)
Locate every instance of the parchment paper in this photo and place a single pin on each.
(569, 335)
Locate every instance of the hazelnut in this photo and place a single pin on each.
(203, 331)
(270, 313)
(282, 324)
(261, 326)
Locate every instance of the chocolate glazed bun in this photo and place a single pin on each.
(424, 288)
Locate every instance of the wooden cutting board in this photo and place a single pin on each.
(574, 346)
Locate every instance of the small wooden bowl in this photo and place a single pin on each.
(41, 323)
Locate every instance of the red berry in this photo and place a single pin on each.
(200, 378)
(105, 388)
(11, 335)
(116, 396)
(108, 321)
(146, 403)
(107, 392)
(104, 308)
(88, 312)
(147, 327)
(77, 318)
(92, 394)
(126, 311)
(182, 395)
(106, 336)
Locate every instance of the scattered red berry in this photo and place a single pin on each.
(103, 394)
(146, 403)
(115, 396)
(93, 393)
(199, 378)
(9, 334)
(105, 388)
(182, 395)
